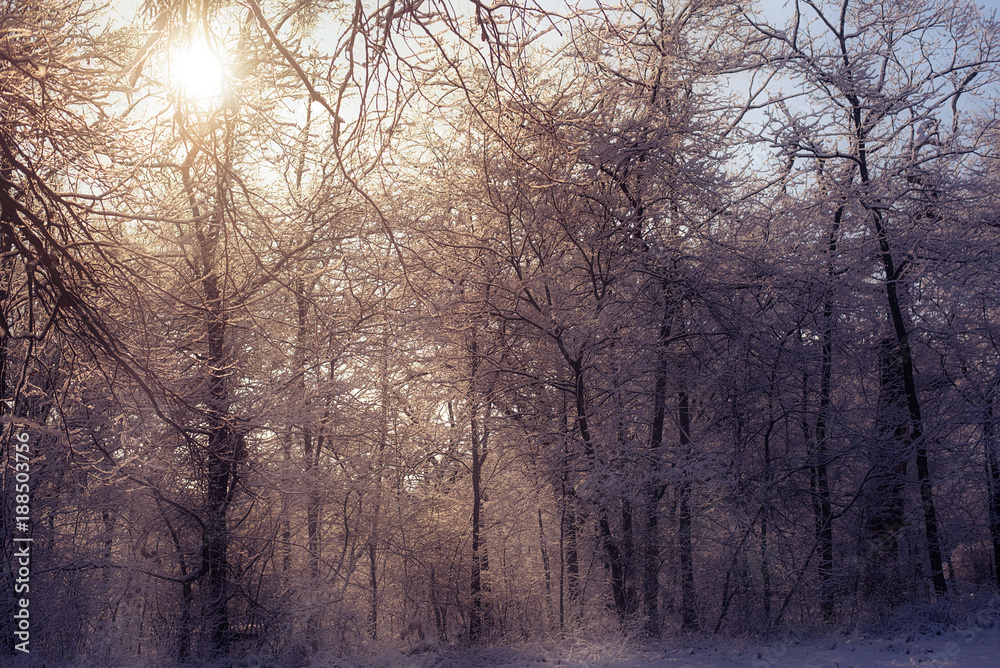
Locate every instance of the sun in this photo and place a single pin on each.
(198, 72)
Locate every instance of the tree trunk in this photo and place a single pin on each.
(221, 467)
(689, 610)
(286, 503)
(993, 475)
(476, 613)
(916, 435)
(223, 457)
(373, 584)
(616, 564)
(313, 506)
(311, 451)
(569, 576)
(478, 436)
(615, 559)
(440, 612)
(185, 629)
(224, 445)
(657, 488)
(546, 564)
(822, 507)
(764, 511)
(885, 508)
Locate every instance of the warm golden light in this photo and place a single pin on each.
(199, 72)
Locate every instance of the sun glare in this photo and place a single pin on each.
(199, 72)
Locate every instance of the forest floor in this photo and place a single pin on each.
(962, 633)
(957, 632)
(950, 650)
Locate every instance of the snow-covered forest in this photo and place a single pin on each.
(330, 328)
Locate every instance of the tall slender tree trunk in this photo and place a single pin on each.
(184, 633)
(476, 613)
(885, 576)
(224, 444)
(440, 611)
(185, 627)
(993, 475)
(628, 547)
(222, 461)
(373, 584)
(311, 450)
(631, 565)
(478, 439)
(614, 558)
(616, 564)
(657, 488)
(899, 326)
(765, 509)
(287, 504)
(651, 539)
(569, 597)
(546, 564)
(822, 507)
(301, 312)
(223, 453)
(569, 559)
(689, 610)
(311, 447)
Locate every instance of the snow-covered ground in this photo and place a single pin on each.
(959, 632)
(954, 649)
(964, 632)
(971, 647)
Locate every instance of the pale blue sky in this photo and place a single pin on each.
(991, 5)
